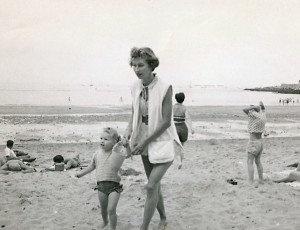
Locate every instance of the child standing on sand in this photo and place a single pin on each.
(182, 120)
(256, 126)
(107, 163)
(8, 152)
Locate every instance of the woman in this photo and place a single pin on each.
(182, 120)
(151, 129)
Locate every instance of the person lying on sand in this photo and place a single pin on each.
(16, 165)
(293, 176)
(61, 164)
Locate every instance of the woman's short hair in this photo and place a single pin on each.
(147, 54)
(179, 97)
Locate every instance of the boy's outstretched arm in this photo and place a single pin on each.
(52, 168)
(89, 169)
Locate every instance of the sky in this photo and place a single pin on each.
(238, 43)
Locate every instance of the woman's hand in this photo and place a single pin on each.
(124, 141)
(138, 149)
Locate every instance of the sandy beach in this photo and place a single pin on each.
(196, 197)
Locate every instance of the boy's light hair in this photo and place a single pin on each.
(113, 133)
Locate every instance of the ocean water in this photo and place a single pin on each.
(120, 95)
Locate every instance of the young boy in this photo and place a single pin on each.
(256, 126)
(107, 163)
(182, 121)
(10, 154)
(61, 164)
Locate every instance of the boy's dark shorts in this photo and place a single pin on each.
(108, 187)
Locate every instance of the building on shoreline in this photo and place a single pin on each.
(291, 86)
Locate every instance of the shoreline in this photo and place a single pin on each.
(82, 124)
(196, 111)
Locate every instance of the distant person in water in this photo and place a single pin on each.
(69, 100)
(293, 176)
(256, 126)
(61, 164)
(182, 120)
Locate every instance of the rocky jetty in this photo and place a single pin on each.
(275, 89)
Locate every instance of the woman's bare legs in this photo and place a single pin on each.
(154, 196)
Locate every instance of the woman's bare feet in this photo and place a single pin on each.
(104, 224)
(162, 225)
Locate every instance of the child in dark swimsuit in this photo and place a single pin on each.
(107, 163)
